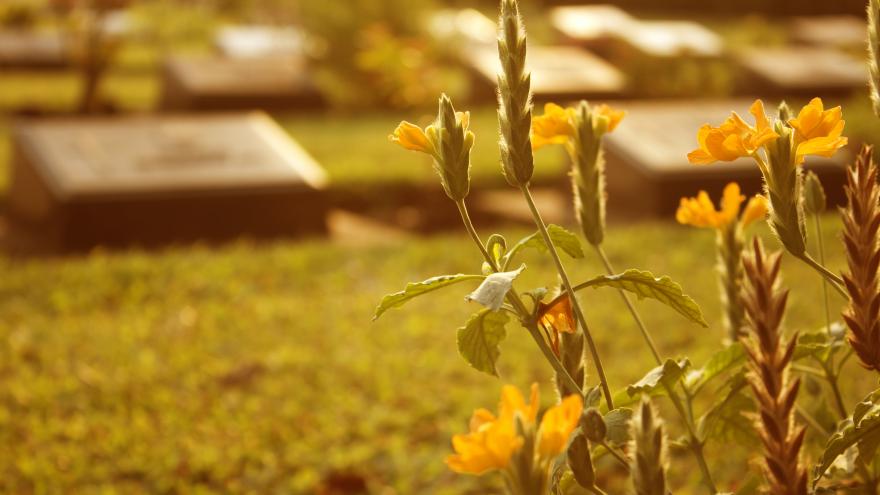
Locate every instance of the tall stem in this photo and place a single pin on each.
(542, 227)
(835, 280)
(525, 317)
(632, 310)
(821, 245)
(686, 414)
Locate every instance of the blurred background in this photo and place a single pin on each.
(200, 208)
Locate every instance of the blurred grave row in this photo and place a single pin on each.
(85, 181)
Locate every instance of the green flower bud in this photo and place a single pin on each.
(814, 194)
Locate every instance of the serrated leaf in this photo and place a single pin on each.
(494, 289)
(665, 375)
(644, 284)
(617, 424)
(816, 344)
(726, 359)
(415, 289)
(863, 430)
(562, 239)
(478, 341)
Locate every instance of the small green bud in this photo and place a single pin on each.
(580, 462)
(593, 425)
(814, 194)
(453, 144)
(784, 112)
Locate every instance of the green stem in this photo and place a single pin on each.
(525, 317)
(813, 422)
(616, 455)
(632, 310)
(542, 227)
(686, 415)
(821, 245)
(835, 280)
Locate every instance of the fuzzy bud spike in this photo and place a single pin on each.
(588, 174)
(769, 359)
(861, 218)
(874, 53)
(649, 452)
(453, 143)
(514, 97)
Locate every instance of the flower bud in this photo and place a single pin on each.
(593, 425)
(514, 98)
(814, 194)
(454, 143)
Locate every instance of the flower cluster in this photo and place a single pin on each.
(700, 212)
(499, 442)
(559, 125)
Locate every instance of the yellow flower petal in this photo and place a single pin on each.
(412, 137)
(734, 138)
(813, 121)
(821, 146)
(559, 316)
(700, 212)
(756, 209)
(556, 426)
(731, 200)
(613, 116)
(554, 127)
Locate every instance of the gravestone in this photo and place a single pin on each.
(801, 70)
(466, 27)
(259, 41)
(647, 167)
(592, 25)
(672, 39)
(834, 31)
(32, 50)
(558, 72)
(221, 83)
(79, 183)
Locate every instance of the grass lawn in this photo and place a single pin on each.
(255, 368)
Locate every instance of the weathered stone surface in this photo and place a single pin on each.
(558, 72)
(260, 41)
(647, 167)
(78, 183)
(801, 70)
(220, 83)
(835, 31)
(32, 49)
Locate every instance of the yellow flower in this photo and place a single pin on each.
(492, 440)
(818, 131)
(613, 116)
(734, 138)
(556, 426)
(554, 127)
(412, 137)
(756, 209)
(558, 315)
(700, 212)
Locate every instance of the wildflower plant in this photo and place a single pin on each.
(750, 385)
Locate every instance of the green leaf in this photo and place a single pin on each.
(496, 245)
(819, 345)
(644, 284)
(863, 430)
(727, 358)
(726, 420)
(494, 289)
(416, 289)
(662, 376)
(479, 339)
(562, 239)
(617, 424)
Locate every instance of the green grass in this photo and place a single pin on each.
(255, 368)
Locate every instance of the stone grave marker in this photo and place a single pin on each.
(802, 70)
(79, 183)
(465, 27)
(558, 72)
(834, 31)
(32, 49)
(259, 41)
(647, 165)
(591, 25)
(221, 83)
(672, 39)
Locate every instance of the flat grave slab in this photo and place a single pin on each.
(835, 31)
(32, 49)
(221, 83)
(558, 72)
(79, 183)
(672, 39)
(591, 24)
(463, 27)
(802, 70)
(259, 41)
(647, 165)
